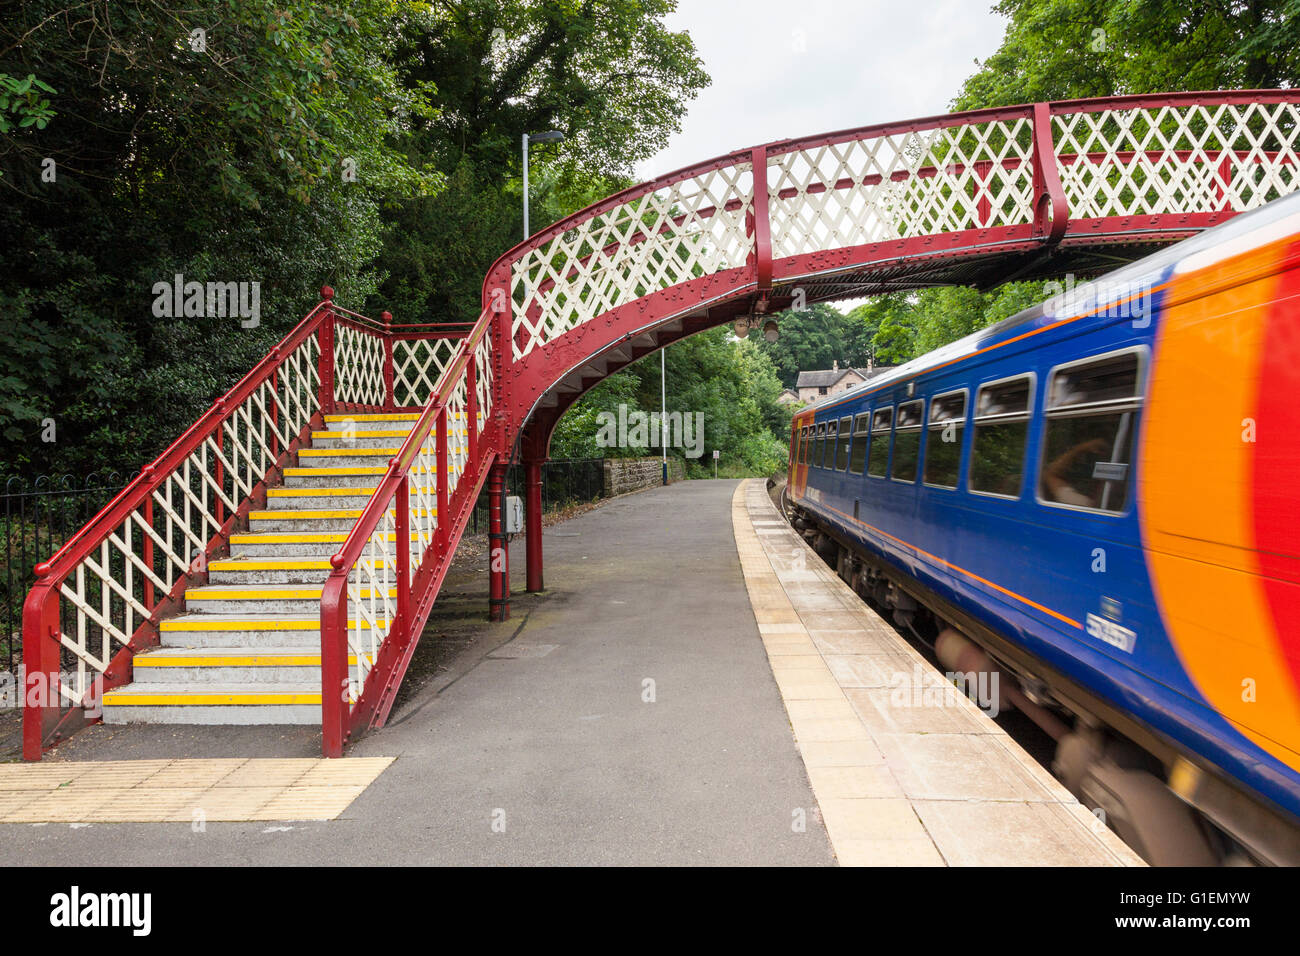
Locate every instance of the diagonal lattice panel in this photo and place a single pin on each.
(654, 241)
(417, 366)
(1176, 160)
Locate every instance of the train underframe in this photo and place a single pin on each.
(1171, 807)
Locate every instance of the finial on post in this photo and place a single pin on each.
(387, 317)
(326, 293)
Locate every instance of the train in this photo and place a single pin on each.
(1097, 501)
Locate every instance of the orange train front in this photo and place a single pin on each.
(1103, 492)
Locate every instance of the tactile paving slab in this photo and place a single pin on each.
(176, 791)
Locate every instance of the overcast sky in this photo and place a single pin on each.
(785, 68)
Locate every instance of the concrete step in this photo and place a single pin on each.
(317, 498)
(268, 601)
(229, 665)
(256, 572)
(208, 630)
(292, 544)
(316, 519)
(260, 702)
(373, 438)
(387, 421)
(347, 457)
(345, 477)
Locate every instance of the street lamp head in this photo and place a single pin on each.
(550, 136)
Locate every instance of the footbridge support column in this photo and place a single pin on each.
(498, 549)
(533, 529)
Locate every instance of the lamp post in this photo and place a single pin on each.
(663, 405)
(550, 136)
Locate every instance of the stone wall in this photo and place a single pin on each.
(629, 474)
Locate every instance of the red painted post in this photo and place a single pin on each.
(403, 545)
(1051, 212)
(334, 676)
(471, 413)
(41, 695)
(498, 553)
(533, 514)
(390, 401)
(326, 369)
(444, 513)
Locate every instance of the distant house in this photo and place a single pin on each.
(789, 397)
(831, 381)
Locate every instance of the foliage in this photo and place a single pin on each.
(732, 384)
(1063, 49)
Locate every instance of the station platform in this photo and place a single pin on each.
(695, 687)
(906, 770)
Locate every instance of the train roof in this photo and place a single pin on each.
(1144, 273)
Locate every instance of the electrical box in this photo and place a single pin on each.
(514, 516)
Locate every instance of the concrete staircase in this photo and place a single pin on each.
(247, 648)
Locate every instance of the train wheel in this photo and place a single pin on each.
(1147, 815)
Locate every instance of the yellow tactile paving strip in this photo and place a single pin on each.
(183, 791)
(918, 791)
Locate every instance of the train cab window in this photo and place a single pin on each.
(1001, 424)
(858, 457)
(943, 445)
(845, 433)
(907, 441)
(882, 419)
(805, 448)
(819, 446)
(1092, 419)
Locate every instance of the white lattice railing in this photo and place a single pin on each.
(1180, 155)
(108, 585)
(376, 599)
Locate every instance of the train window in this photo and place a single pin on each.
(858, 457)
(842, 455)
(805, 450)
(1092, 411)
(943, 445)
(1001, 424)
(907, 441)
(878, 456)
(829, 460)
(819, 446)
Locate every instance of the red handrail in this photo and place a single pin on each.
(45, 719)
(340, 717)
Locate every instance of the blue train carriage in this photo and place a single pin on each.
(1098, 499)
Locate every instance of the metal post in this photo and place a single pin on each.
(525, 141)
(663, 400)
(533, 514)
(498, 553)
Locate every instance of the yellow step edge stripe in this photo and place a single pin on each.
(268, 659)
(329, 492)
(111, 699)
(369, 433)
(253, 625)
(270, 594)
(301, 537)
(322, 452)
(286, 564)
(308, 515)
(386, 417)
(348, 470)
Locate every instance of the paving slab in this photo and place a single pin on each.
(907, 771)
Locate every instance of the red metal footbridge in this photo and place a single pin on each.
(974, 198)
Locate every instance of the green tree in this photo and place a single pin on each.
(1063, 49)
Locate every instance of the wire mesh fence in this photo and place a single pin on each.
(36, 518)
(565, 482)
